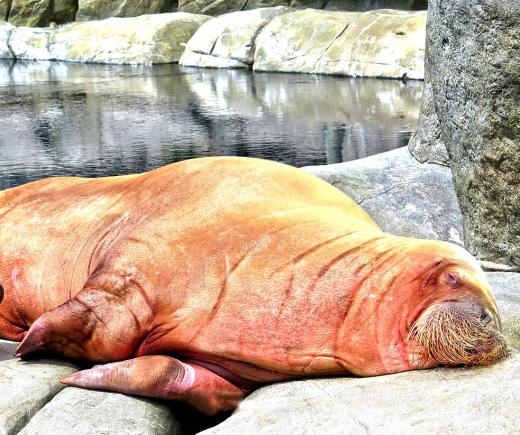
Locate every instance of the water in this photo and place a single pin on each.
(97, 120)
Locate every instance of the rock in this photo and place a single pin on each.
(31, 44)
(148, 39)
(228, 40)
(100, 9)
(473, 59)
(457, 400)
(367, 5)
(64, 11)
(7, 349)
(382, 43)
(426, 144)
(26, 386)
(95, 412)
(5, 34)
(219, 7)
(33, 13)
(403, 196)
(506, 287)
(40, 13)
(5, 6)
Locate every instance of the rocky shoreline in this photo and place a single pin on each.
(381, 43)
(404, 197)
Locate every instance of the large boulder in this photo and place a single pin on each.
(29, 43)
(88, 412)
(26, 386)
(99, 9)
(473, 64)
(148, 39)
(383, 43)
(456, 400)
(228, 40)
(403, 196)
(40, 13)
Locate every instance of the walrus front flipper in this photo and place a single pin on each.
(104, 322)
(162, 377)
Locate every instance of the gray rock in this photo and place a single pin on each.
(440, 401)
(473, 58)
(29, 43)
(228, 40)
(218, 7)
(403, 196)
(367, 5)
(100, 9)
(5, 6)
(383, 43)
(40, 13)
(148, 39)
(506, 287)
(426, 144)
(26, 386)
(30, 12)
(5, 34)
(87, 412)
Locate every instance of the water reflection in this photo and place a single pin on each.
(96, 120)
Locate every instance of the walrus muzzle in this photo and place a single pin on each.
(459, 333)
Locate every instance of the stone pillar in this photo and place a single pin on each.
(473, 68)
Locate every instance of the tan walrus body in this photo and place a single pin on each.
(232, 272)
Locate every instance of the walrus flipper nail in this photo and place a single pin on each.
(166, 378)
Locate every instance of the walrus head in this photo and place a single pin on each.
(458, 323)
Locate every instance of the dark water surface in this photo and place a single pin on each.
(97, 120)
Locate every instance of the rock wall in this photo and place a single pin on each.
(217, 7)
(148, 39)
(99, 9)
(41, 13)
(473, 64)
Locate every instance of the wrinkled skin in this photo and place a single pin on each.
(204, 279)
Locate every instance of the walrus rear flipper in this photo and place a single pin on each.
(104, 322)
(162, 377)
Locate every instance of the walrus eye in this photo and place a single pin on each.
(452, 279)
(1, 293)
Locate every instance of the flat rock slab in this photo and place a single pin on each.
(382, 43)
(403, 196)
(25, 387)
(506, 287)
(440, 401)
(85, 412)
(148, 39)
(228, 41)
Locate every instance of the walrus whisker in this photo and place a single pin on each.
(454, 333)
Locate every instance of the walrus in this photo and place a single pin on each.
(202, 280)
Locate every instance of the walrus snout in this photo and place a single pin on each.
(459, 333)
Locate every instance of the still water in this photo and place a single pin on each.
(97, 120)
